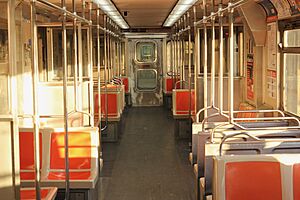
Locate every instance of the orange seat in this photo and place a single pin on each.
(253, 180)
(30, 193)
(83, 158)
(27, 155)
(296, 181)
(170, 84)
(79, 150)
(243, 107)
(126, 84)
(72, 175)
(181, 105)
(112, 106)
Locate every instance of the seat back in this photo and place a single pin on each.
(26, 144)
(169, 84)
(243, 107)
(48, 193)
(181, 102)
(83, 147)
(261, 177)
(126, 84)
(296, 181)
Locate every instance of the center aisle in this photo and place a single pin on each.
(147, 163)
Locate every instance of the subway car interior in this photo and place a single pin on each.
(150, 99)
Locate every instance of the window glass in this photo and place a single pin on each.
(4, 72)
(292, 38)
(146, 79)
(145, 52)
(292, 83)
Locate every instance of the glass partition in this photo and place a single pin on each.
(145, 52)
(146, 79)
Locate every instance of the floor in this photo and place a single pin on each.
(147, 163)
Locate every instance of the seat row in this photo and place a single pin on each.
(83, 157)
(215, 139)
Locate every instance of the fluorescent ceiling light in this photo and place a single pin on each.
(111, 11)
(181, 7)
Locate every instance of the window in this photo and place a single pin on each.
(145, 52)
(51, 50)
(146, 79)
(292, 71)
(4, 67)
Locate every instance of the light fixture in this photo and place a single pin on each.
(109, 8)
(180, 8)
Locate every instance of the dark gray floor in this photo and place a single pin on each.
(147, 163)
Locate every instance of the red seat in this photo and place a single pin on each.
(72, 175)
(126, 84)
(243, 107)
(27, 155)
(30, 193)
(83, 158)
(182, 102)
(296, 181)
(112, 106)
(170, 84)
(79, 150)
(253, 180)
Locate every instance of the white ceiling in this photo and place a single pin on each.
(145, 13)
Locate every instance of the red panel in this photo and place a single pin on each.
(125, 83)
(296, 182)
(30, 194)
(27, 154)
(112, 104)
(73, 175)
(170, 84)
(253, 180)
(182, 102)
(79, 150)
(27, 176)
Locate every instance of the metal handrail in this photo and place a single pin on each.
(258, 111)
(211, 116)
(268, 118)
(203, 109)
(236, 134)
(220, 12)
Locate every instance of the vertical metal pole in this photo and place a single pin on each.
(175, 52)
(90, 58)
(119, 45)
(221, 64)
(181, 40)
(213, 65)
(105, 72)
(108, 51)
(196, 60)
(13, 96)
(99, 80)
(34, 66)
(65, 99)
(205, 60)
(190, 66)
(75, 56)
(183, 49)
(172, 60)
(231, 60)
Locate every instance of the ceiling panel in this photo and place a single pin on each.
(145, 13)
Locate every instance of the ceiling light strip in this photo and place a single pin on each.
(111, 11)
(180, 8)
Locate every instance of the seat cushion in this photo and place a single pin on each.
(73, 176)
